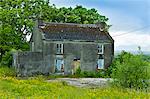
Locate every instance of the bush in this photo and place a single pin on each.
(7, 59)
(130, 71)
(6, 71)
(78, 72)
(98, 74)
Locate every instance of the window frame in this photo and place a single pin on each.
(102, 48)
(59, 48)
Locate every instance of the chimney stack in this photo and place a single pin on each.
(101, 25)
(40, 22)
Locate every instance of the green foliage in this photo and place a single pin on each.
(92, 74)
(77, 15)
(78, 71)
(7, 59)
(7, 72)
(146, 58)
(130, 71)
(16, 18)
(64, 83)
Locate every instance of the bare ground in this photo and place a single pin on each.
(85, 82)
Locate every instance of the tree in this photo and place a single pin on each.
(131, 71)
(16, 18)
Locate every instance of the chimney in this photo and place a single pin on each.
(40, 22)
(102, 25)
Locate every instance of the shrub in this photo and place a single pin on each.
(102, 73)
(130, 71)
(92, 74)
(7, 59)
(88, 74)
(78, 71)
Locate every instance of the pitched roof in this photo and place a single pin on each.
(71, 31)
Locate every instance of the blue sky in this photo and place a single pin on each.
(125, 16)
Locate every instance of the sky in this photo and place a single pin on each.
(130, 20)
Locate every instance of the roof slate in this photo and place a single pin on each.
(70, 31)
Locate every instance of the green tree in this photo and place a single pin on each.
(131, 71)
(16, 22)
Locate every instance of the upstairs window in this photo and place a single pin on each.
(100, 49)
(59, 49)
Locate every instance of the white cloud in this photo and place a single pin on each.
(131, 41)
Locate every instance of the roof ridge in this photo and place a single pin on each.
(73, 24)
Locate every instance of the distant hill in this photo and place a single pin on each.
(134, 52)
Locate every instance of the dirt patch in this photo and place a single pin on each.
(85, 82)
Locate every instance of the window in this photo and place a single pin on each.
(100, 49)
(59, 49)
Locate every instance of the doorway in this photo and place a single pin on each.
(59, 66)
(75, 65)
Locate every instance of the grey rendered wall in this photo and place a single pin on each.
(29, 63)
(108, 54)
(89, 57)
(71, 51)
(49, 55)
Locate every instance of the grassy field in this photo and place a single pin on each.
(38, 89)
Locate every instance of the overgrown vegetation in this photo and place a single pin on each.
(7, 72)
(92, 74)
(130, 71)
